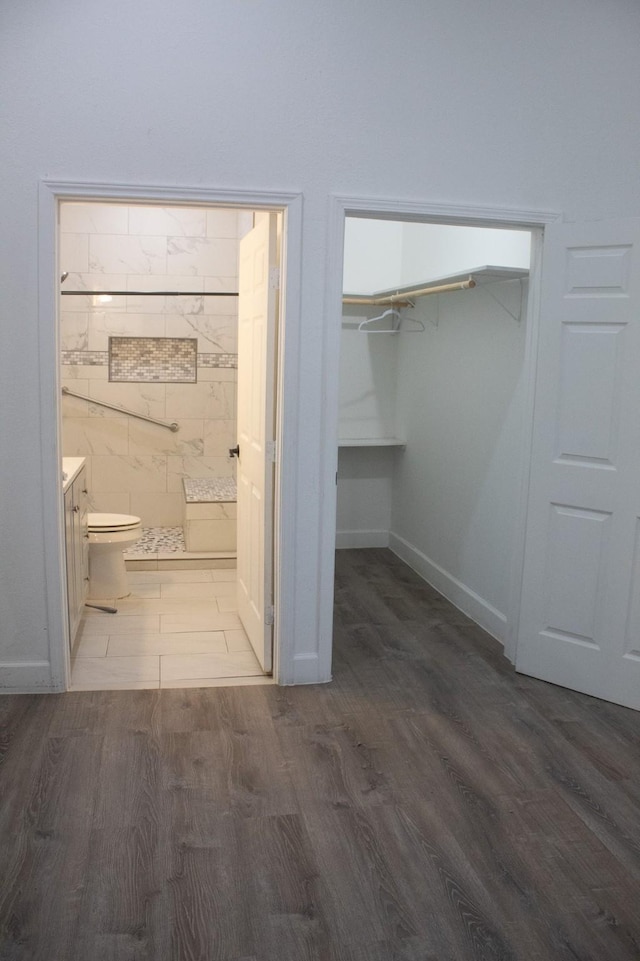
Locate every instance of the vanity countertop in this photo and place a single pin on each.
(70, 468)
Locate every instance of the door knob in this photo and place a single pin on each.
(234, 451)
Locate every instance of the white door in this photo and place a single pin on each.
(256, 430)
(580, 610)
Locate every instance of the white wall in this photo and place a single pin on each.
(372, 255)
(365, 488)
(477, 109)
(436, 250)
(456, 486)
(383, 254)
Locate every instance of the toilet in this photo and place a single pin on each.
(109, 536)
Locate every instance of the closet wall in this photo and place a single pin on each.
(446, 502)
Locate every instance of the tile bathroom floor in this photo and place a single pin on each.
(178, 628)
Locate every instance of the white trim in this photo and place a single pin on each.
(347, 539)
(368, 207)
(529, 383)
(468, 216)
(306, 669)
(50, 193)
(466, 600)
(27, 677)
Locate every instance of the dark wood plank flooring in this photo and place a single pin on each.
(427, 805)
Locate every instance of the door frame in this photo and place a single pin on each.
(50, 194)
(458, 215)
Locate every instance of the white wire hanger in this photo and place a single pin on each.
(394, 312)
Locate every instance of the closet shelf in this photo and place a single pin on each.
(371, 442)
(402, 296)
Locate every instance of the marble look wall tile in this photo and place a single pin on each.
(74, 253)
(179, 467)
(130, 474)
(206, 535)
(73, 406)
(154, 307)
(151, 439)
(96, 435)
(212, 400)
(157, 510)
(188, 284)
(222, 223)
(214, 282)
(103, 502)
(167, 221)
(103, 324)
(74, 330)
(219, 436)
(215, 333)
(92, 281)
(131, 255)
(82, 372)
(202, 256)
(227, 375)
(78, 217)
(213, 510)
(186, 304)
(147, 399)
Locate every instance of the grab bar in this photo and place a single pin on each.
(132, 413)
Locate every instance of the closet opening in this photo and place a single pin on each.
(434, 404)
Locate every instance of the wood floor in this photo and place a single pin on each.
(427, 805)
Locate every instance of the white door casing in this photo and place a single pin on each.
(580, 603)
(257, 306)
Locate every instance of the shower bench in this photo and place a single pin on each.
(209, 516)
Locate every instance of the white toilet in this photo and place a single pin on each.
(109, 536)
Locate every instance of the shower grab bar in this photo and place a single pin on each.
(132, 413)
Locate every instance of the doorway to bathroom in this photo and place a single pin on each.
(153, 377)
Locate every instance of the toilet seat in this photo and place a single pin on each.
(112, 523)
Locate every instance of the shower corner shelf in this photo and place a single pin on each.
(371, 442)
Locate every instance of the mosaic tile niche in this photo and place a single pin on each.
(153, 359)
(134, 466)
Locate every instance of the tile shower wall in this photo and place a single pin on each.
(133, 466)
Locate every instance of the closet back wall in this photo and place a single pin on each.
(134, 466)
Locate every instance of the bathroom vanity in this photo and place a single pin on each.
(74, 485)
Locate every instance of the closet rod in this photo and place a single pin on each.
(405, 300)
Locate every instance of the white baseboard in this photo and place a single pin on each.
(346, 539)
(466, 600)
(28, 677)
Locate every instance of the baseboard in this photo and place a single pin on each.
(28, 677)
(346, 539)
(466, 600)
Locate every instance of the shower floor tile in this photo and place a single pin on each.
(158, 540)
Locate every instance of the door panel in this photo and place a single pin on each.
(256, 428)
(580, 610)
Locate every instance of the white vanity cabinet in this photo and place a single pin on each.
(77, 548)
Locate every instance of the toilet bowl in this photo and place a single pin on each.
(109, 536)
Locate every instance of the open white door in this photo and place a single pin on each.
(256, 428)
(580, 608)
